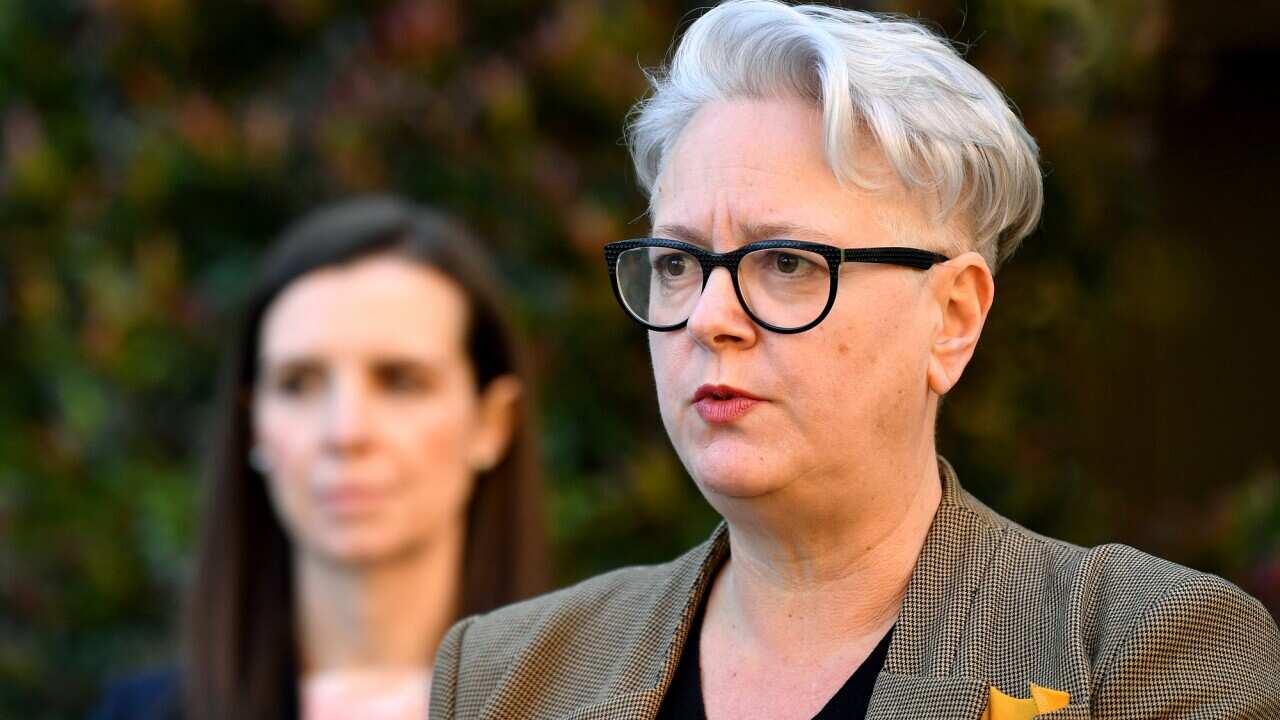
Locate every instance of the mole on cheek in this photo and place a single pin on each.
(842, 349)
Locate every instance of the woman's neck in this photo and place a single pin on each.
(830, 578)
(382, 615)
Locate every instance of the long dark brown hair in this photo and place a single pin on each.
(241, 649)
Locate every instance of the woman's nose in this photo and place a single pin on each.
(718, 320)
(348, 416)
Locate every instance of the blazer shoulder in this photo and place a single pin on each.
(154, 695)
(610, 598)
(1202, 644)
(1138, 635)
(1132, 601)
(599, 635)
(1116, 577)
(1111, 570)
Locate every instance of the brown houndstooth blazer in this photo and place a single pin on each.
(990, 603)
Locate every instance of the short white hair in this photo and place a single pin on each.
(941, 124)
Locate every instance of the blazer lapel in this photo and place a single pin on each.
(917, 680)
(639, 693)
(677, 626)
(910, 697)
(642, 705)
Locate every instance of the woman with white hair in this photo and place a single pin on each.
(831, 192)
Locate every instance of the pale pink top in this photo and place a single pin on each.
(366, 694)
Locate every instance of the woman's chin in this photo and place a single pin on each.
(735, 479)
(733, 470)
(362, 548)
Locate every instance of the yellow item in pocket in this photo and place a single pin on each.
(1042, 700)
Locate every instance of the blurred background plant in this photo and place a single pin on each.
(152, 147)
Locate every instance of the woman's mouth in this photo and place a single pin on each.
(720, 404)
(351, 500)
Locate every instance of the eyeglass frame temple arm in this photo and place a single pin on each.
(907, 257)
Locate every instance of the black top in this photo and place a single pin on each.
(684, 697)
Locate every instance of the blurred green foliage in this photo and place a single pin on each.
(151, 148)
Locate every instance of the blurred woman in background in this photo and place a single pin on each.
(373, 477)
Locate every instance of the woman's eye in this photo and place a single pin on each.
(402, 380)
(299, 383)
(789, 263)
(672, 264)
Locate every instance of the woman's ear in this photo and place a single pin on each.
(499, 403)
(963, 290)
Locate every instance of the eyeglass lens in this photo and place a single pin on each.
(783, 287)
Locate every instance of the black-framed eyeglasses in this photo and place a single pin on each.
(785, 286)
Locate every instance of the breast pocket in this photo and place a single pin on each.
(1070, 712)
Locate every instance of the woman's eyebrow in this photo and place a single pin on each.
(683, 233)
(288, 363)
(406, 362)
(751, 232)
(305, 361)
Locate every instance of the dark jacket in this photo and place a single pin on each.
(150, 696)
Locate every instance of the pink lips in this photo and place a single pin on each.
(350, 500)
(719, 404)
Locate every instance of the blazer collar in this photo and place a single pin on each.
(952, 562)
(956, 551)
(921, 660)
